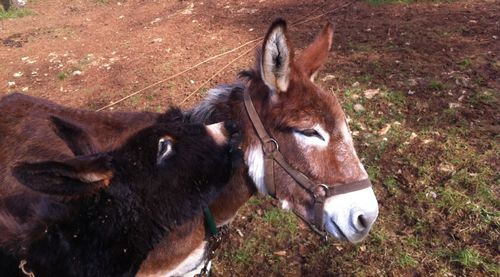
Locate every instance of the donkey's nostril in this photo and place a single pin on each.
(362, 221)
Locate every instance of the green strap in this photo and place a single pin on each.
(210, 221)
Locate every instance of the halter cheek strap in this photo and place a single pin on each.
(319, 192)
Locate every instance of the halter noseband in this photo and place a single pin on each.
(319, 192)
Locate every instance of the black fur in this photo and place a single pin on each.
(110, 232)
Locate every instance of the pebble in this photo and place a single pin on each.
(359, 108)
(18, 74)
(370, 93)
(77, 73)
(281, 253)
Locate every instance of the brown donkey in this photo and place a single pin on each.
(297, 148)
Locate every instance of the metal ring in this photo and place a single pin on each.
(325, 189)
(277, 146)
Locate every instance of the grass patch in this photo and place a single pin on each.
(281, 220)
(465, 63)
(62, 76)
(14, 13)
(467, 258)
(392, 185)
(436, 85)
(406, 260)
(486, 97)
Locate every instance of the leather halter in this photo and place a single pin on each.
(319, 192)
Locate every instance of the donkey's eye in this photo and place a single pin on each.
(311, 133)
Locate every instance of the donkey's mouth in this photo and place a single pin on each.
(335, 230)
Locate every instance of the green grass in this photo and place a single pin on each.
(436, 85)
(405, 260)
(14, 13)
(282, 220)
(485, 97)
(467, 258)
(62, 76)
(465, 64)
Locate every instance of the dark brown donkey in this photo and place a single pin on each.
(297, 148)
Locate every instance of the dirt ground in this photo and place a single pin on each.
(420, 81)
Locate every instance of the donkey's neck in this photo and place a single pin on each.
(226, 103)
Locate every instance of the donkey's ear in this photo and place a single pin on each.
(276, 57)
(81, 175)
(315, 55)
(78, 141)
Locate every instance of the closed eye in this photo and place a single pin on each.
(311, 133)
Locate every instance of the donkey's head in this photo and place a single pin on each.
(311, 130)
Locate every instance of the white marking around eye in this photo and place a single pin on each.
(305, 141)
(255, 162)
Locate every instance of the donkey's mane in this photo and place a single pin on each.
(220, 95)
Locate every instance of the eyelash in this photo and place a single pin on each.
(311, 133)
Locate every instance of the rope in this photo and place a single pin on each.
(300, 22)
(215, 74)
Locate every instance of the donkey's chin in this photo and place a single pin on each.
(333, 229)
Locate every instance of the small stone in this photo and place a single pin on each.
(25, 89)
(355, 84)
(358, 108)
(77, 73)
(157, 40)
(370, 93)
(454, 105)
(156, 20)
(11, 84)
(188, 9)
(18, 74)
(411, 92)
(328, 77)
(246, 10)
(412, 82)
(121, 17)
(446, 168)
(384, 130)
(431, 194)
(281, 253)
(239, 232)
